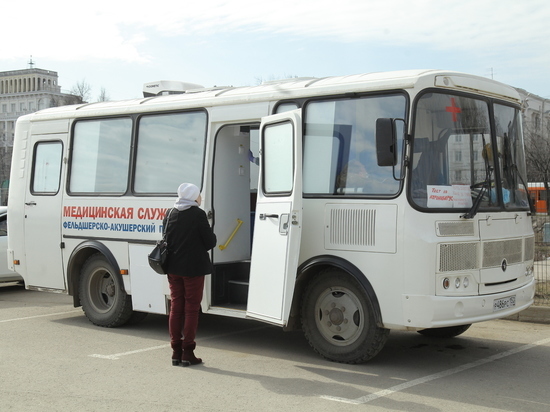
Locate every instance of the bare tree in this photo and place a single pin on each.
(65, 99)
(103, 96)
(5, 164)
(82, 90)
(537, 154)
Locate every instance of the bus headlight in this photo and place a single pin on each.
(446, 283)
(465, 282)
(457, 283)
(529, 271)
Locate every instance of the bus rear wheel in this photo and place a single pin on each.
(338, 319)
(102, 294)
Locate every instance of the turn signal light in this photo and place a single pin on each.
(458, 282)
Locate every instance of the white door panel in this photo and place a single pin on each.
(44, 259)
(277, 227)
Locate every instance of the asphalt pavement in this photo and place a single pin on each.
(53, 359)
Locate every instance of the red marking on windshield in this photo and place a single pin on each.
(453, 109)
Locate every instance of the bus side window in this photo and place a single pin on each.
(46, 168)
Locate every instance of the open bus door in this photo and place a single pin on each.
(278, 220)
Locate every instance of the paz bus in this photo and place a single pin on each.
(380, 201)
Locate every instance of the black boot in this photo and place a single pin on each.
(177, 354)
(188, 355)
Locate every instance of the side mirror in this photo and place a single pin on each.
(386, 144)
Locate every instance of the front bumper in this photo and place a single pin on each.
(423, 312)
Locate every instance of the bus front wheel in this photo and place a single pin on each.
(338, 319)
(102, 294)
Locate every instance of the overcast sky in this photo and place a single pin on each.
(119, 45)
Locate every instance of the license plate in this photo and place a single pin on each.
(504, 303)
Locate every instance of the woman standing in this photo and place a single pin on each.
(189, 237)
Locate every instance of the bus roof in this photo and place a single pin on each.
(292, 88)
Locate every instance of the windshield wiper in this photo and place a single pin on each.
(486, 153)
(485, 186)
(473, 210)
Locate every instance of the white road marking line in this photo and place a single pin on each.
(39, 316)
(419, 381)
(117, 356)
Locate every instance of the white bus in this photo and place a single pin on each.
(380, 201)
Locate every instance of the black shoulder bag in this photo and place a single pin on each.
(159, 255)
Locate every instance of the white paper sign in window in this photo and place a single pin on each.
(455, 196)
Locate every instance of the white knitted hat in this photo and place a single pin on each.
(188, 191)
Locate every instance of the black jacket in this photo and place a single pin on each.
(189, 237)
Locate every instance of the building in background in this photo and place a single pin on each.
(22, 92)
(536, 113)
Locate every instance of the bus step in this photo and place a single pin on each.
(238, 291)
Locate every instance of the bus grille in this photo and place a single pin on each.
(529, 248)
(465, 256)
(495, 252)
(458, 256)
(455, 229)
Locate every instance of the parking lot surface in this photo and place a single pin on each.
(53, 359)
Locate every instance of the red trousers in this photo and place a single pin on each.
(186, 296)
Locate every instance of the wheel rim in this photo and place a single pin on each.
(102, 290)
(340, 316)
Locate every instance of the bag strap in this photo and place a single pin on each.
(164, 227)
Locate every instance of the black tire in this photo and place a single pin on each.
(338, 319)
(448, 332)
(102, 293)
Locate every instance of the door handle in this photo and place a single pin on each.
(283, 224)
(264, 216)
(31, 203)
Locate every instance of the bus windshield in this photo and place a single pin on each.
(460, 160)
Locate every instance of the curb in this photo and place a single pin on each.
(533, 314)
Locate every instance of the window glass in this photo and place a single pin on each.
(278, 152)
(452, 160)
(3, 226)
(456, 163)
(286, 107)
(511, 156)
(47, 168)
(340, 146)
(254, 158)
(170, 150)
(101, 154)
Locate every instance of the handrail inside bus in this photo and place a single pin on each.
(239, 223)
